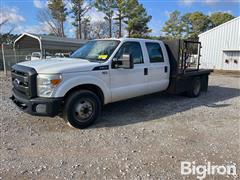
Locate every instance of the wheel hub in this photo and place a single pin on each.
(83, 110)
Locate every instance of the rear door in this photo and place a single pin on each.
(158, 68)
(127, 83)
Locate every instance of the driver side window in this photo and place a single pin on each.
(133, 49)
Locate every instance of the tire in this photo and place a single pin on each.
(82, 108)
(196, 88)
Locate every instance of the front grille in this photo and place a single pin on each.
(20, 81)
(24, 80)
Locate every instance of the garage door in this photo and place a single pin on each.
(231, 60)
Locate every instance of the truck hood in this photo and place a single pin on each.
(60, 65)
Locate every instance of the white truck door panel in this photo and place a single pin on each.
(158, 68)
(128, 83)
(157, 80)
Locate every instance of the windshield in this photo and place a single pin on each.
(98, 50)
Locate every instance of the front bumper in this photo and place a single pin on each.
(38, 106)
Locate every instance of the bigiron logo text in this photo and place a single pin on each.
(201, 171)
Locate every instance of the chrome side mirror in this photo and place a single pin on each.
(125, 62)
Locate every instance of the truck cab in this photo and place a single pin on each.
(100, 72)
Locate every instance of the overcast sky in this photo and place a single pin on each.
(22, 14)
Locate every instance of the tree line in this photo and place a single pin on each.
(119, 15)
(190, 25)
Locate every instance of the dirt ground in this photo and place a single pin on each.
(141, 138)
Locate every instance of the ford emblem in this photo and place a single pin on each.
(17, 81)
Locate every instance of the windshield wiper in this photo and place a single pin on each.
(90, 60)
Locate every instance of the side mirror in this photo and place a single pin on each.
(125, 62)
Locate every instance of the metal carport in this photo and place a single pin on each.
(28, 43)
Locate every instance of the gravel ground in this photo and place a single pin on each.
(142, 138)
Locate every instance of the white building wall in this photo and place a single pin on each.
(219, 40)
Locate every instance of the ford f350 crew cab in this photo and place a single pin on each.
(105, 71)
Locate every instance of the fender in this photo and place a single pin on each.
(70, 83)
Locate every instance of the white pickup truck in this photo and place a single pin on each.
(105, 71)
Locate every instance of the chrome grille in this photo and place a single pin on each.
(24, 80)
(20, 81)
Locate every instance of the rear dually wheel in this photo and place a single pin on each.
(195, 91)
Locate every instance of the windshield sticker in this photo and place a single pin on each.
(102, 56)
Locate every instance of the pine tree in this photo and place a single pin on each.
(79, 9)
(120, 14)
(173, 27)
(137, 19)
(186, 26)
(199, 23)
(107, 7)
(58, 11)
(86, 27)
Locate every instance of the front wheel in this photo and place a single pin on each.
(195, 91)
(82, 108)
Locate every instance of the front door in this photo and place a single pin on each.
(127, 83)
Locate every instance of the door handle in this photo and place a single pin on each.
(145, 71)
(165, 69)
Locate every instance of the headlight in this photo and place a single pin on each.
(46, 83)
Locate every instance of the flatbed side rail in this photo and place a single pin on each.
(184, 55)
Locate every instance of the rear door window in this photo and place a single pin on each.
(154, 52)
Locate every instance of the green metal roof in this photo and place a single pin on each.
(48, 42)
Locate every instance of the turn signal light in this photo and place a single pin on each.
(55, 81)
